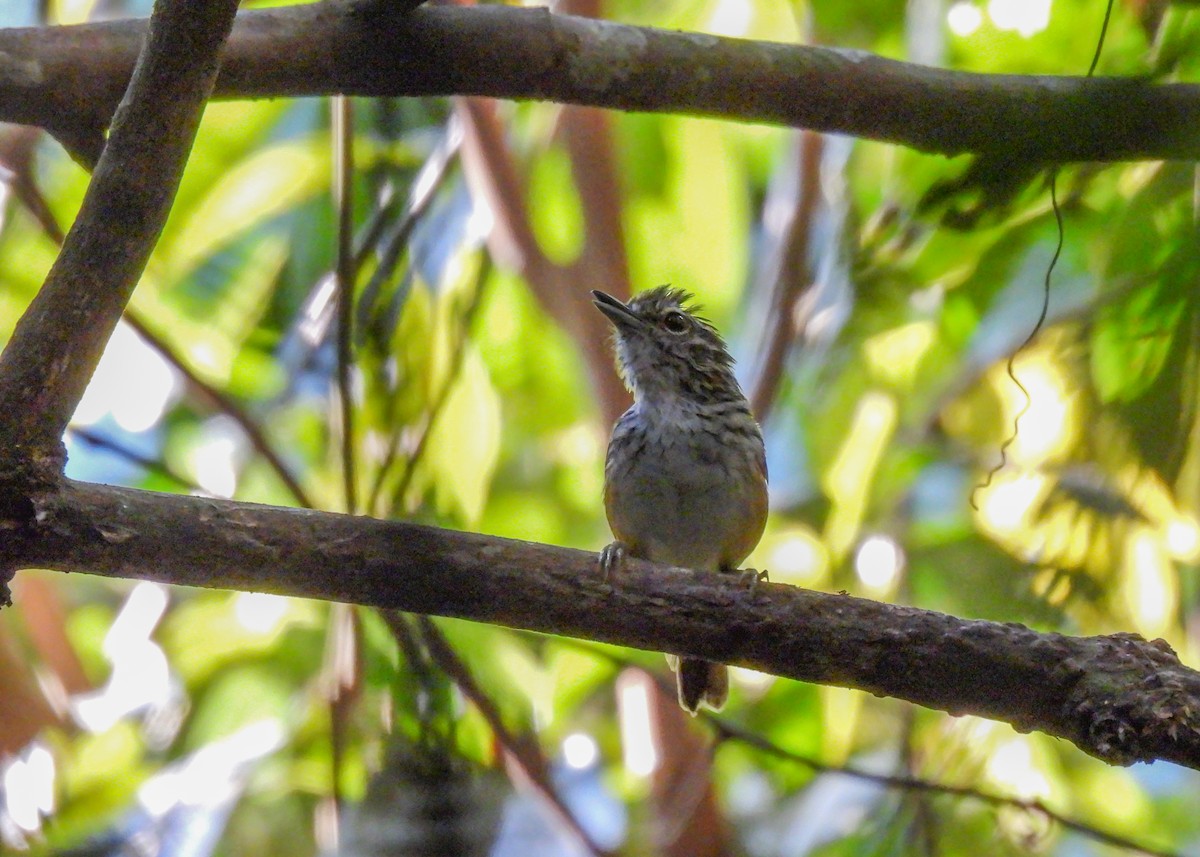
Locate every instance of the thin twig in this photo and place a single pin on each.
(416, 657)
(343, 631)
(438, 404)
(727, 730)
(225, 404)
(922, 832)
(422, 191)
(526, 754)
(317, 314)
(389, 203)
(1009, 366)
(792, 276)
(152, 464)
(1011, 363)
(347, 275)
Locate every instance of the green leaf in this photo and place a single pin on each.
(237, 698)
(265, 184)
(690, 235)
(1131, 345)
(557, 218)
(465, 442)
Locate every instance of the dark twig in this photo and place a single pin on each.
(225, 404)
(1010, 365)
(727, 730)
(347, 276)
(730, 731)
(309, 331)
(388, 204)
(144, 461)
(423, 189)
(790, 278)
(525, 753)
(344, 673)
(435, 407)
(18, 150)
(922, 832)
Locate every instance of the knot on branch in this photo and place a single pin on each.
(26, 471)
(22, 477)
(1135, 700)
(27, 467)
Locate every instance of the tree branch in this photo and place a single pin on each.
(57, 343)
(68, 79)
(1117, 697)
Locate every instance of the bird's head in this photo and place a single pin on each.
(664, 348)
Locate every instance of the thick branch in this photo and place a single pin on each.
(57, 343)
(1117, 697)
(68, 80)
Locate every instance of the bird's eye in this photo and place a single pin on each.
(675, 322)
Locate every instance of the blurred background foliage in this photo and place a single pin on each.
(872, 295)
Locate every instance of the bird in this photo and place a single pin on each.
(685, 477)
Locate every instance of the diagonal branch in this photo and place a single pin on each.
(68, 79)
(1117, 697)
(224, 403)
(346, 278)
(145, 462)
(525, 753)
(58, 342)
(563, 292)
(791, 278)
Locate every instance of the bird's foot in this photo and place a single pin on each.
(752, 577)
(612, 559)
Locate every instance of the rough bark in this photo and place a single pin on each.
(68, 80)
(1117, 697)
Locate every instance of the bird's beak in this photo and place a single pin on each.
(618, 313)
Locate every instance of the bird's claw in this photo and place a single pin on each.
(612, 559)
(751, 577)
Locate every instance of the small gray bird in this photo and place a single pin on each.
(685, 481)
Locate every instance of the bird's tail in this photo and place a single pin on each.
(701, 682)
